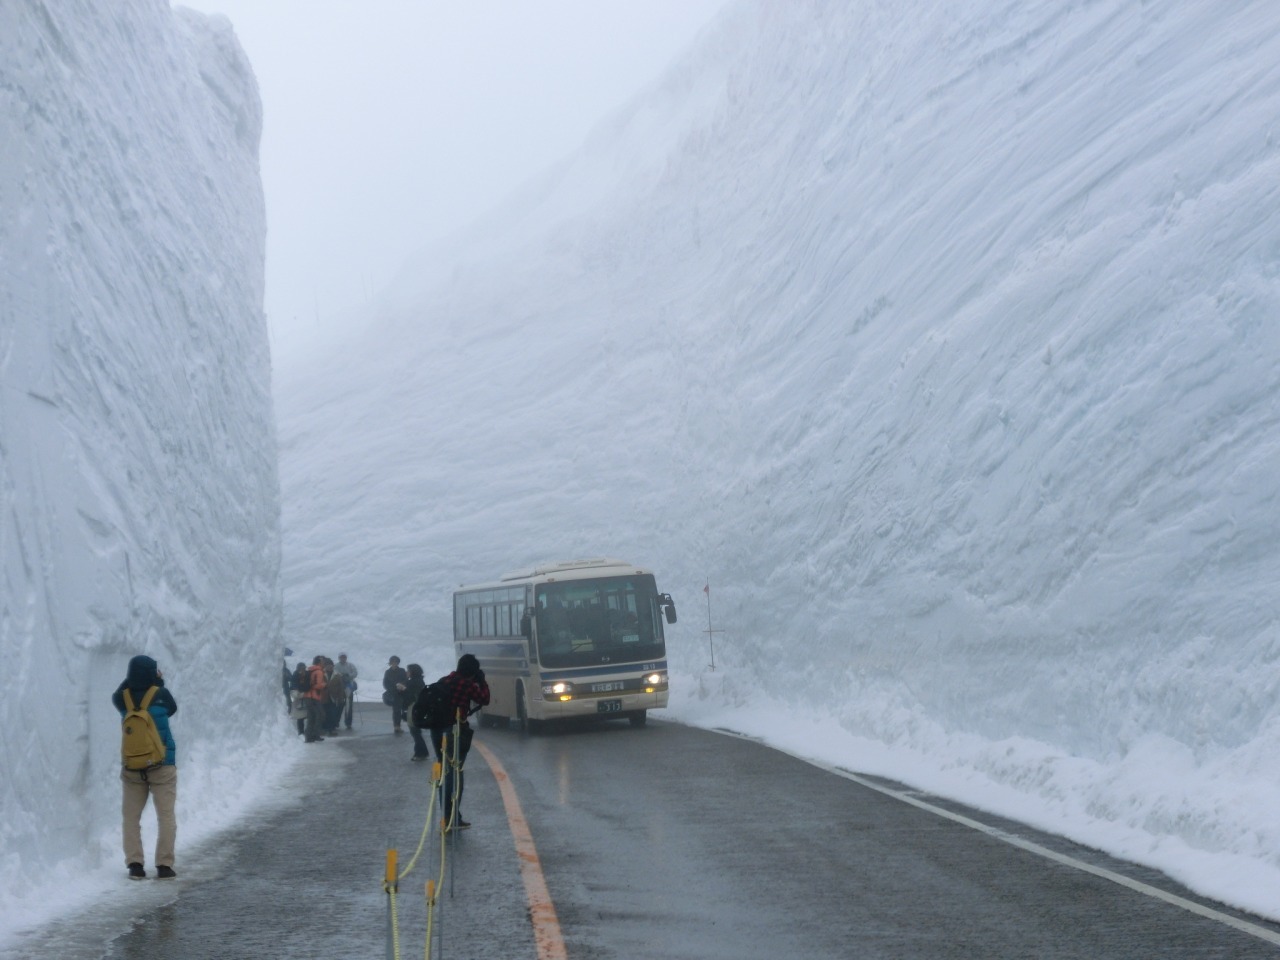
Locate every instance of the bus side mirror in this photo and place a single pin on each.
(526, 625)
(668, 606)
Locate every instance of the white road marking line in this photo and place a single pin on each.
(1244, 926)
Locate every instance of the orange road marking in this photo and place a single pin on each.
(546, 925)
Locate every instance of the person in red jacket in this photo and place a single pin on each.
(466, 685)
(316, 696)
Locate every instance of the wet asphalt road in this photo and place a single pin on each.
(655, 843)
(669, 842)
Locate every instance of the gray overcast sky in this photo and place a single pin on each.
(391, 122)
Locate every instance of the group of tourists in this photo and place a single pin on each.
(320, 698)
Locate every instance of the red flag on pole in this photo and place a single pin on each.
(707, 589)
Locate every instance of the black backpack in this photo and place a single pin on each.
(433, 708)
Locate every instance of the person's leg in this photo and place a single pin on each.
(164, 793)
(313, 720)
(464, 747)
(420, 751)
(351, 699)
(395, 717)
(134, 800)
(443, 740)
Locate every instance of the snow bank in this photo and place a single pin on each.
(940, 339)
(139, 496)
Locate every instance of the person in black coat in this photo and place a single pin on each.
(394, 683)
(410, 696)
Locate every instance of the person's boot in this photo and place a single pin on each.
(137, 872)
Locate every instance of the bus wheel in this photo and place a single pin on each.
(638, 718)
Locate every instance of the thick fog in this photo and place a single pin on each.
(139, 503)
(939, 341)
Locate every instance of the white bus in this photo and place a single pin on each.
(575, 639)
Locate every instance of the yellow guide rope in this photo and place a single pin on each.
(391, 879)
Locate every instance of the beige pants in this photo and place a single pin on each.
(161, 784)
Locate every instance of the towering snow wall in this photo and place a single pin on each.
(940, 337)
(139, 497)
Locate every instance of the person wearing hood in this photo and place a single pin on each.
(158, 783)
(466, 686)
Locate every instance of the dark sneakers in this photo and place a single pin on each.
(165, 873)
(136, 872)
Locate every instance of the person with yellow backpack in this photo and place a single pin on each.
(148, 764)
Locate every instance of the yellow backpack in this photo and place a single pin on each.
(140, 743)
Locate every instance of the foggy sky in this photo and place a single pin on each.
(391, 124)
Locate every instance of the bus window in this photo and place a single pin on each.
(582, 622)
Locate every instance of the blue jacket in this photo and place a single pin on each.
(142, 676)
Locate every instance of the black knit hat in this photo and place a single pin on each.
(468, 665)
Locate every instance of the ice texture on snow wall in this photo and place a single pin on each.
(940, 337)
(139, 497)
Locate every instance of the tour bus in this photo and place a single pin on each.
(576, 639)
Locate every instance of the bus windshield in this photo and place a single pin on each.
(608, 620)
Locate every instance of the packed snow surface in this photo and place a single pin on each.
(939, 340)
(139, 498)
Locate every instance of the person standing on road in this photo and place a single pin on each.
(298, 683)
(159, 783)
(287, 679)
(316, 698)
(466, 686)
(410, 697)
(394, 681)
(335, 697)
(349, 674)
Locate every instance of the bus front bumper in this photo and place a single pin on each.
(604, 706)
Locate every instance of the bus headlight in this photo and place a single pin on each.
(653, 680)
(560, 690)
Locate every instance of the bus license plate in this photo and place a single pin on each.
(609, 706)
